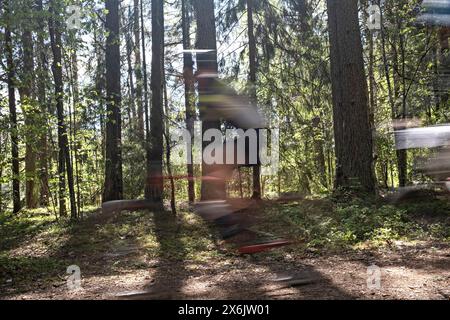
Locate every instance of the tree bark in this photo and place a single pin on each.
(444, 65)
(402, 155)
(132, 91)
(42, 100)
(137, 16)
(75, 125)
(173, 199)
(12, 111)
(28, 106)
(1, 167)
(189, 89)
(207, 62)
(64, 161)
(154, 185)
(146, 99)
(372, 82)
(318, 145)
(113, 188)
(353, 137)
(253, 94)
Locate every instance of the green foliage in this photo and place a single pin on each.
(134, 175)
(372, 223)
(330, 225)
(29, 269)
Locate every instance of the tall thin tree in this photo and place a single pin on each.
(28, 103)
(113, 188)
(42, 77)
(132, 90)
(189, 88)
(64, 161)
(253, 92)
(146, 93)
(154, 184)
(138, 69)
(11, 74)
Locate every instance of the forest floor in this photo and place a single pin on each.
(142, 255)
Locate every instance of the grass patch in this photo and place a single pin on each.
(27, 268)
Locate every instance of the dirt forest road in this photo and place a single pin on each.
(418, 272)
(136, 256)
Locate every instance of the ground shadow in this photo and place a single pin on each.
(244, 277)
(168, 280)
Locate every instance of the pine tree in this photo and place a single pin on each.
(353, 137)
(113, 187)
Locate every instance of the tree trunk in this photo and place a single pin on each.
(75, 125)
(444, 65)
(138, 66)
(132, 91)
(42, 100)
(154, 185)
(253, 93)
(113, 188)
(207, 62)
(189, 89)
(29, 111)
(1, 167)
(1, 175)
(12, 113)
(173, 199)
(100, 94)
(353, 137)
(146, 99)
(392, 95)
(64, 160)
(318, 145)
(372, 84)
(402, 155)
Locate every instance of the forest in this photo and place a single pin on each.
(116, 118)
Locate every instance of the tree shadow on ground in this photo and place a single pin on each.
(306, 282)
(168, 279)
(112, 247)
(430, 256)
(97, 244)
(229, 276)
